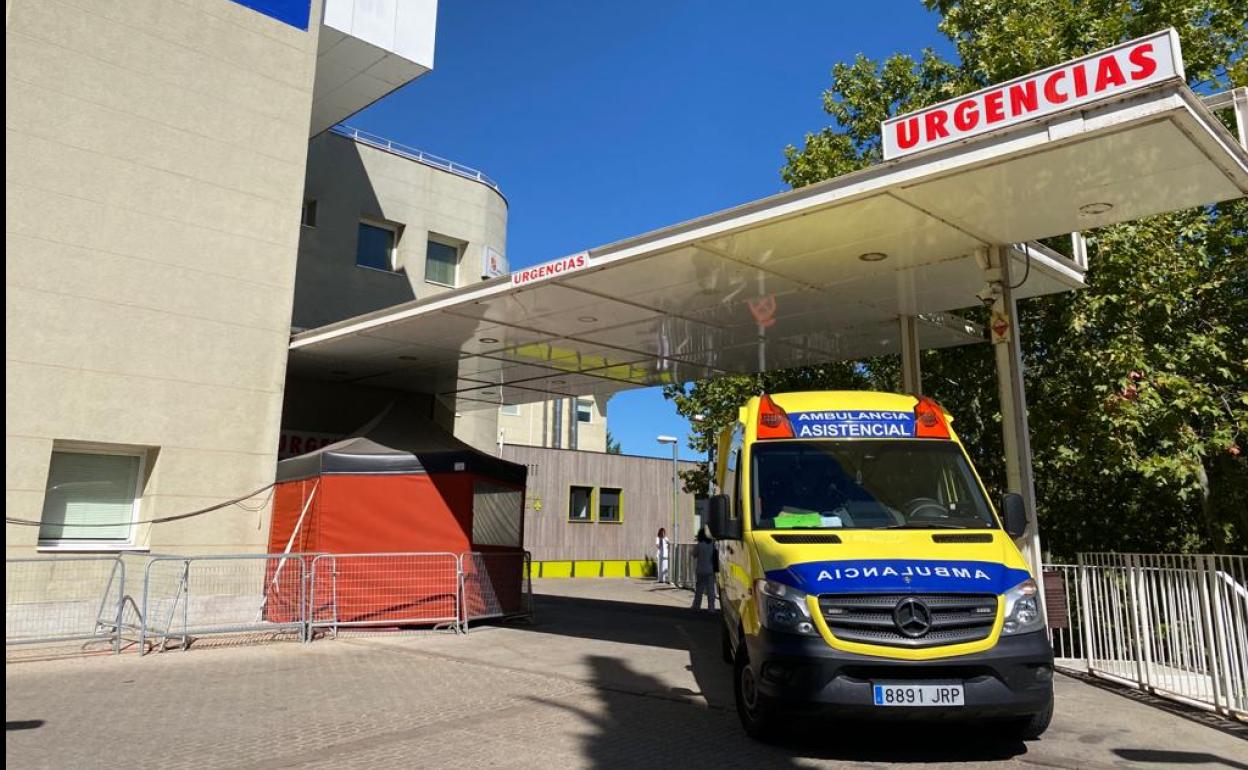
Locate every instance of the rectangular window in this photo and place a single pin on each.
(584, 410)
(578, 503)
(309, 213)
(511, 410)
(610, 505)
(374, 247)
(497, 512)
(91, 497)
(441, 262)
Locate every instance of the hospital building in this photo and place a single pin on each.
(184, 193)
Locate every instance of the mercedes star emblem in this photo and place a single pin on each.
(912, 617)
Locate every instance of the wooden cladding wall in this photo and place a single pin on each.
(646, 503)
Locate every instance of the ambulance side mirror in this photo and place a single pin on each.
(722, 527)
(1015, 514)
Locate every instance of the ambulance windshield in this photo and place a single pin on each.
(865, 484)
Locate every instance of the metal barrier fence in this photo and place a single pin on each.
(489, 587)
(190, 596)
(383, 589)
(684, 570)
(54, 599)
(1173, 625)
(63, 599)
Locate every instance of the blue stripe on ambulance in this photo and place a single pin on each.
(852, 423)
(858, 576)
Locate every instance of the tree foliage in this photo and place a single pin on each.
(1137, 385)
(613, 445)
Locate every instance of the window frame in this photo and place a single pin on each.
(589, 411)
(619, 518)
(136, 505)
(310, 205)
(503, 407)
(590, 508)
(394, 230)
(443, 240)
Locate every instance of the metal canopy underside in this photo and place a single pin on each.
(779, 283)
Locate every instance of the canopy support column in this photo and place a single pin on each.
(911, 373)
(1016, 434)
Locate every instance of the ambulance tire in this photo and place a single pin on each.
(759, 716)
(1032, 727)
(726, 644)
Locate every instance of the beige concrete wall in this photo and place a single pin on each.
(155, 162)
(535, 426)
(351, 182)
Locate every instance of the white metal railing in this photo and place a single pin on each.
(1235, 99)
(1174, 625)
(420, 156)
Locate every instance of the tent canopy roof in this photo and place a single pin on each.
(401, 445)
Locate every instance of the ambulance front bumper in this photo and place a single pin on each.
(1012, 679)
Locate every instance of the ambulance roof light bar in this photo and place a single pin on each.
(929, 419)
(773, 422)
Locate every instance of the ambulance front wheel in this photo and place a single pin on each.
(1032, 727)
(759, 715)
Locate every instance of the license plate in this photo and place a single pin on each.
(918, 695)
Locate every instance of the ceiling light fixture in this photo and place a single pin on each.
(487, 340)
(587, 319)
(873, 256)
(1092, 209)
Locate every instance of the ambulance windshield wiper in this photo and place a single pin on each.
(926, 525)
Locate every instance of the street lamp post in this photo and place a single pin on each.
(675, 542)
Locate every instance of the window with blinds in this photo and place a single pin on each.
(496, 513)
(578, 503)
(610, 505)
(374, 247)
(441, 262)
(90, 496)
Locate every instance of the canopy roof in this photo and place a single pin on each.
(785, 281)
(399, 442)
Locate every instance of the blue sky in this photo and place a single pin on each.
(606, 120)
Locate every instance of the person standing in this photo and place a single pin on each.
(706, 561)
(661, 547)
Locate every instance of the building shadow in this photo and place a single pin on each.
(643, 718)
(1162, 756)
(1173, 707)
(627, 728)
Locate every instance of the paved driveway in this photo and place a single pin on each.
(614, 673)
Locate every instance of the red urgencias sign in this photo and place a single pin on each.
(1110, 72)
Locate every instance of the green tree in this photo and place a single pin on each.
(1138, 385)
(613, 446)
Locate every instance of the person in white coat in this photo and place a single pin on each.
(662, 549)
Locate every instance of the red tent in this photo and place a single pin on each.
(403, 491)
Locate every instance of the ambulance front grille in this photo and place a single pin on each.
(870, 618)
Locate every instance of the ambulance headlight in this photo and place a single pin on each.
(1022, 609)
(783, 608)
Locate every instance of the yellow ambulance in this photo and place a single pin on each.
(864, 571)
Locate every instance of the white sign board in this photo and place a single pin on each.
(551, 269)
(493, 264)
(1111, 72)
